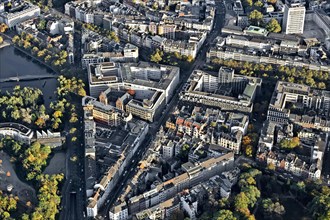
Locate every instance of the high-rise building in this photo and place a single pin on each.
(294, 16)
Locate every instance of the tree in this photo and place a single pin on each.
(252, 193)
(155, 6)
(42, 24)
(273, 26)
(190, 58)
(3, 27)
(246, 140)
(16, 39)
(223, 203)
(272, 1)
(156, 57)
(256, 17)
(248, 2)
(321, 85)
(271, 166)
(249, 150)
(241, 202)
(7, 205)
(48, 198)
(25, 217)
(40, 122)
(72, 130)
(258, 4)
(290, 143)
(225, 215)
(270, 207)
(177, 55)
(57, 114)
(114, 37)
(35, 157)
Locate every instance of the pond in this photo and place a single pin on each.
(14, 63)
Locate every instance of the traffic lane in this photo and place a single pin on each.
(129, 175)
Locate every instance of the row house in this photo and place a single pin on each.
(292, 163)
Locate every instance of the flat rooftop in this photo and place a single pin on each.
(15, 126)
(142, 73)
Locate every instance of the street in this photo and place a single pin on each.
(154, 127)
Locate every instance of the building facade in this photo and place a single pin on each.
(294, 17)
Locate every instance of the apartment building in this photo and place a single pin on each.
(181, 47)
(228, 52)
(146, 104)
(196, 174)
(218, 90)
(120, 138)
(103, 113)
(130, 53)
(304, 97)
(119, 212)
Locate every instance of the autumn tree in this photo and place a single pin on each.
(258, 4)
(156, 57)
(48, 197)
(41, 24)
(256, 17)
(290, 143)
(273, 26)
(225, 215)
(249, 150)
(190, 58)
(7, 205)
(35, 157)
(248, 3)
(3, 27)
(271, 166)
(273, 2)
(269, 207)
(246, 140)
(241, 203)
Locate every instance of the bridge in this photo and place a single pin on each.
(28, 78)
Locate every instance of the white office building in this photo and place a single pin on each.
(294, 17)
(18, 13)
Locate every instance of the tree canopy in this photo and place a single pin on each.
(313, 78)
(156, 57)
(3, 27)
(7, 205)
(52, 56)
(270, 207)
(290, 143)
(225, 214)
(256, 17)
(273, 26)
(23, 104)
(48, 197)
(35, 158)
